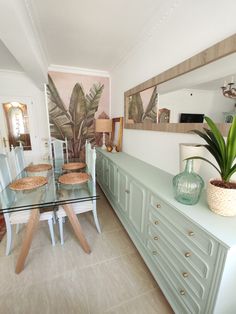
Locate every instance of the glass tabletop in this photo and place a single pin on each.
(51, 194)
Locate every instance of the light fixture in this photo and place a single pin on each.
(103, 126)
(228, 90)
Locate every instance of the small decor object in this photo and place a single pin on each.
(229, 89)
(188, 185)
(221, 193)
(38, 168)
(109, 148)
(163, 115)
(74, 178)
(117, 148)
(28, 183)
(73, 166)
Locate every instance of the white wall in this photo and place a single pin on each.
(187, 28)
(16, 86)
(209, 102)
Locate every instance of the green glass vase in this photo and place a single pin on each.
(188, 185)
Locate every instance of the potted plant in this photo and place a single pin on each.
(221, 192)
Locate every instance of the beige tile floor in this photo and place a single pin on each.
(63, 279)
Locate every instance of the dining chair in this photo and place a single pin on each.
(59, 152)
(19, 158)
(21, 216)
(82, 207)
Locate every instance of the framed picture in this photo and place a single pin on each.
(117, 133)
(163, 115)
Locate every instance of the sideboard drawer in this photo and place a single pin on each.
(179, 266)
(201, 240)
(184, 249)
(177, 286)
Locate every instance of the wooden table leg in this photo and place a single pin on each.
(77, 228)
(27, 240)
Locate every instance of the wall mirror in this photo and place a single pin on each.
(188, 91)
(17, 124)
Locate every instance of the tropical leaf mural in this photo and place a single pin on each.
(136, 110)
(77, 122)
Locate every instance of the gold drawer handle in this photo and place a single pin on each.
(187, 254)
(158, 205)
(191, 233)
(185, 275)
(127, 191)
(156, 222)
(182, 292)
(154, 252)
(156, 238)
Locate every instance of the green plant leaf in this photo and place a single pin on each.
(136, 108)
(212, 147)
(217, 135)
(202, 158)
(77, 108)
(230, 173)
(231, 144)
(59, 118)
(151, 110)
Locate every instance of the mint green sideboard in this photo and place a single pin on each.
(190, 251)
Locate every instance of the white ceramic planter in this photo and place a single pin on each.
(221, 201)
(187, 150)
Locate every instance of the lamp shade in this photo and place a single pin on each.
(103, 125)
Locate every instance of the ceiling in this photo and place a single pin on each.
(7, 61)
(92, 34)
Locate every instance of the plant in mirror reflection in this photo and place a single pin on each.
(136, 110)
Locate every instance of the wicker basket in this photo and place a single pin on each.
(220, 200)
(73, 178)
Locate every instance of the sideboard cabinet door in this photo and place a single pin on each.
(122, 190)
(137, 205)
(112, 184)
(99, 170)
(105, 170)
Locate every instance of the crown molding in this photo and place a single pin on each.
(37, 31)
(76, 70)
(6, 71)
(154, 25)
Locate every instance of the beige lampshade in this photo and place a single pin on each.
(103, 125)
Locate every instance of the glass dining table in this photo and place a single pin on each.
(50, 195)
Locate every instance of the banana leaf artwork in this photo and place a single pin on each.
(76, 123)
(142, 106)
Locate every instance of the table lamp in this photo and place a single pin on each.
(103, 126)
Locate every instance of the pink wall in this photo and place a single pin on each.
(65, 83)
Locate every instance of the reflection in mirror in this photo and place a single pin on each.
(199, 85)
(201, 92)
(17, 124)
(142, 106)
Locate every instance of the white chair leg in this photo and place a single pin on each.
(50, 224)
(17, 228)
(95, 216)
(61, 229)
(9, 237)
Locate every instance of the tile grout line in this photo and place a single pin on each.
(131, 299)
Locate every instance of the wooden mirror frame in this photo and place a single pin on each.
(215, 52)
